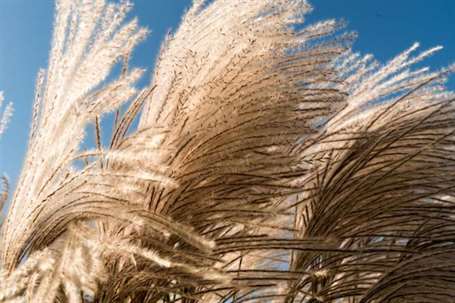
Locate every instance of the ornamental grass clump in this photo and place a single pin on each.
(270, 163)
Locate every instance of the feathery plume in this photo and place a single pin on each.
(89, 38)
(6, 115)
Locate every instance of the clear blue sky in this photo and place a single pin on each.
(385, 27)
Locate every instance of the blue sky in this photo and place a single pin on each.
(385, 28)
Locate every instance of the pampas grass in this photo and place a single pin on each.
(271, 163)
(6, 115)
